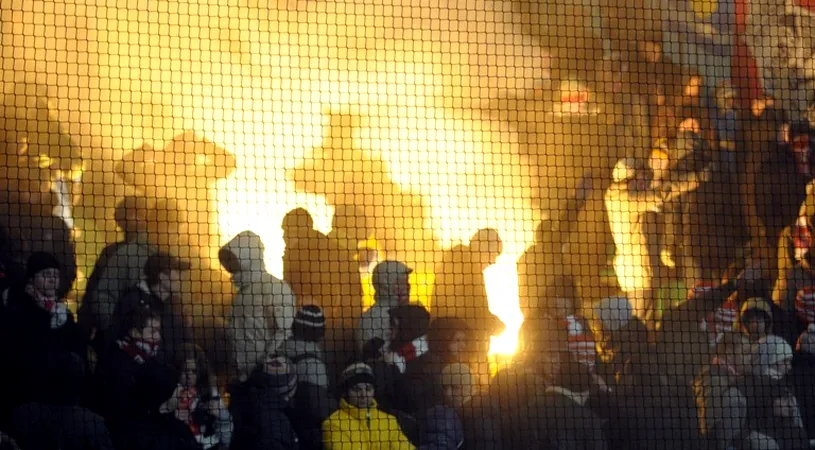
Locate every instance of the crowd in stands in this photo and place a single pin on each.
(729, 367)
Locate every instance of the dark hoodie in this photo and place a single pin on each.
(259, 414)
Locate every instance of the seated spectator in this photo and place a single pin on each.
(259, 407)
(755, 318)
(461, 394)
(135, 389)
(447, 342)
(440, 429)
(801, 376)
(409, 326)
(199, 403)
(313, 402)
(60, 423)
(359, 424)
(36, 329)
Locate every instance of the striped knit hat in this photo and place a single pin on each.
(806, 342)
(310, 316)
(805, 304)
(581, 343)
(721, 321)
(357, 373)
(279, 375)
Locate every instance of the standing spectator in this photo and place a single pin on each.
(136, 389)
(392, 288)
(60, 423)
(801, 376)
(359, 424)
(720, 400)
(36, 329)
(120, 266)
(628, 200)
(313, 402)
(159, 290)
(259, 407)
(199, 403)
(264, 307)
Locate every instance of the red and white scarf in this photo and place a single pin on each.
(188, 401)
(138, 349)
(58, 310)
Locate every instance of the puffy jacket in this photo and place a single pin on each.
(440, 429)
(263, 309)
(351, 428)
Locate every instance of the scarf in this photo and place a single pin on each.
(57, 310)
(187, 404)
(801, 238)
(139, 350)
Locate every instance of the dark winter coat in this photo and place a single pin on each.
(259, 415)
(59, 427)
(801, 378)
(131, 398)
(31, 347)
(440, 429)
(481, 431)
(423, 382)
(565, 423)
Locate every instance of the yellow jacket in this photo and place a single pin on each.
(351, 428)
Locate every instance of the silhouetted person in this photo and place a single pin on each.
(121, 265)
(460, 289)
(391, 280)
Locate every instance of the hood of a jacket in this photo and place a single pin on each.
(248, 248)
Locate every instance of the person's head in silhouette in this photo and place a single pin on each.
(486, 247)
(297, 224)
(391, 281)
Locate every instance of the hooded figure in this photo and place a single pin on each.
(263, 310)
(392, 288)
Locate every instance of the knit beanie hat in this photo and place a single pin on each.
(309, 317)
(769, 351)
(279, 375)
(614, 313)
(40, 261)
(457, 374)
(806, 343)
(357, 373)
(581, 342)
(756, 304)
(805, 304)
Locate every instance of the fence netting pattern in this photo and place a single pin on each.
(399, 224)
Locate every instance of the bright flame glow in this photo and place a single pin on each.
(256, 77)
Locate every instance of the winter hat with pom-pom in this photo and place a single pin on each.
(806, 343)
(769, 351)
